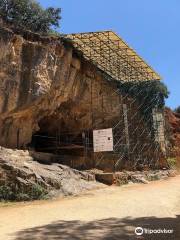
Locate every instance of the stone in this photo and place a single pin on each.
(106, 178)
(18, 168)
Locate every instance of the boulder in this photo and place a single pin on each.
(19, 170)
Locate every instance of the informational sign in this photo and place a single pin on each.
(103, 140)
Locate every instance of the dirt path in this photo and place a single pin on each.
(110, 213)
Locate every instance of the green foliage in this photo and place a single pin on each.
(22, 197)
(149, 94)
(12, 193)
(37, 192)
(6, 193)
(28, 14)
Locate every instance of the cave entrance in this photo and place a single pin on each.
(72, 149)
(61, 143)
(73, 146)
(54, 137)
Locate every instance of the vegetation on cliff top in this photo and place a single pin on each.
(29, 15)
(151, 93)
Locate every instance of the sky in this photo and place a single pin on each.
(151, 27)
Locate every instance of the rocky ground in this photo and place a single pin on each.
(20, 173)
(130, 177)
(24, 178)
(143, 177)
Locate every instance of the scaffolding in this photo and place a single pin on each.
(113, 56)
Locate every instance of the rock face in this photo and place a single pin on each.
(18, 169)
(173, 121)
(35, 79)
(47, 88)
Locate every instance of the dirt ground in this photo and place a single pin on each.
(109, 213)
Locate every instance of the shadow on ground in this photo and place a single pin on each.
(107, 229)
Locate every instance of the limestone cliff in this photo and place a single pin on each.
(45, 84)
(36, 78)
(47, 87)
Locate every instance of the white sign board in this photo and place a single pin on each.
(103, 140)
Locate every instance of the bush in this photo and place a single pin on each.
(29, 15)
(6, 193)
(149, 94)
(37, 192)
(12, 193)
(22, 197)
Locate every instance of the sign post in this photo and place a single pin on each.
(103, 140)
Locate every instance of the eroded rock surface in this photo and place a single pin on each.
(36, 77)
(51, 97)
(173, 120)
(18, 167)
(129, 177)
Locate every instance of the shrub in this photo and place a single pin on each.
(6, 193)
(12, 193)
(22, 197)
(37, 192)
(152, 93)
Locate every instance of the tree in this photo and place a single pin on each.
(28, 14)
